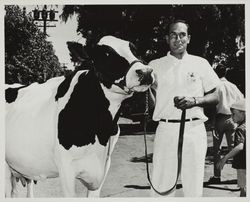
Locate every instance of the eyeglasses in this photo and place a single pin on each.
(175, 36)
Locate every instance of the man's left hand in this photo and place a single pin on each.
(182, 102)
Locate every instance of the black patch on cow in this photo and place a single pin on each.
(64, 86)
(11, 94)
(86, 115)
(109, 65)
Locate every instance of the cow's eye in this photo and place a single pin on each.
(107, 54)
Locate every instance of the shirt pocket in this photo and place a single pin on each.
(193, 82)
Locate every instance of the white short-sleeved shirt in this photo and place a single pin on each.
(190, 76)
(228, 94)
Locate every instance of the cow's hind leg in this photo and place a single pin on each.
(8, 185)
(14, 190)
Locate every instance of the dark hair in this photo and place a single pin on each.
(221, 70)
(178, 21)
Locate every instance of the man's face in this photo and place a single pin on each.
(178, 38)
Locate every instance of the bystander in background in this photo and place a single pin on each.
(239, 151)
(223, 124)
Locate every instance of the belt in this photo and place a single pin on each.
(178, 120)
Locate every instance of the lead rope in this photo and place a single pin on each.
(179, 151)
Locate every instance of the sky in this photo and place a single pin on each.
(60, 34)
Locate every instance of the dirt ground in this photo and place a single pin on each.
(127, 175)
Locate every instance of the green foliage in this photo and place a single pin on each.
(28, 56)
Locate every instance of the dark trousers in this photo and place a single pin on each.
(223, 125)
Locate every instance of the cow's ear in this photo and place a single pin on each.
(77, 51)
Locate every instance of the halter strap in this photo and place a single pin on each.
(135, 61)
(122, 83)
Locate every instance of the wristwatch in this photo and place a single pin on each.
(195, 101)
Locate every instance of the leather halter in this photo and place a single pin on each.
(135, 61)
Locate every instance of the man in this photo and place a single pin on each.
(228, 94)
(183, 81)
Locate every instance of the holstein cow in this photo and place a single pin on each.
(67, 127)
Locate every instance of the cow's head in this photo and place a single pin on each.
(116, 64)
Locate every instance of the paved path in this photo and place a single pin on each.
(127, 175)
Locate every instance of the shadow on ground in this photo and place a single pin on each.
(209, 157)
(226, 182)
(205, 185)
(142, 159)
(179, 186)
(209, 161)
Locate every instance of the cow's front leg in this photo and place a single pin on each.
(10, 183)
(66, 172)
(67, 178)
(96, 193)
(110, 148)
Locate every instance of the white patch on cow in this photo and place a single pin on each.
(32, 118)
(120, 46)
(14, 85)
(115, 95)
(64, 100)
(118, 80)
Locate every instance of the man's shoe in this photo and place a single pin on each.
(214, 180)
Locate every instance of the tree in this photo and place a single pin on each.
(214, 29)
(28, 56)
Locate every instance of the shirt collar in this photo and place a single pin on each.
(223, 79)
(175, 58)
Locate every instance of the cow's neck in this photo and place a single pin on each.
(115, 95)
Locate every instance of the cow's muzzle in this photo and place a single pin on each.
(145, 76)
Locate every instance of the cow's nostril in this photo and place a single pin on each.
(146, 78)
(139, 72)
(149, 80)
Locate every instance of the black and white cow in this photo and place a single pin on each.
(66, 127)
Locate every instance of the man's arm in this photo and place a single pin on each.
(210, 98)
(231, 154)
